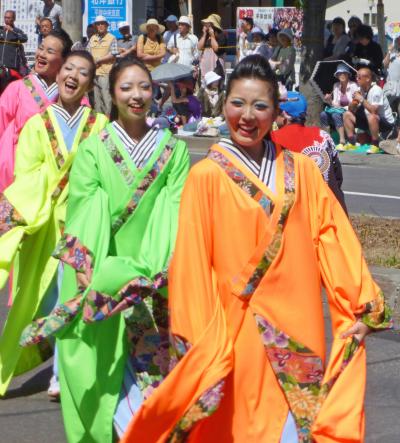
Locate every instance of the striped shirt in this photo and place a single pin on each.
(71, 121)
(266, 172)
(51, 90)
(139, 151)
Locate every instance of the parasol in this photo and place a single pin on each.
(323, 76)
(171, 72)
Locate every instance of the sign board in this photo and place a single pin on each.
(26, 12)
(114, 11)
(269, 18)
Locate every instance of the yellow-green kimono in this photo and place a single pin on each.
(32, 213)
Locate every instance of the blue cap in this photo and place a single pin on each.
(172, 18)
(295, 105)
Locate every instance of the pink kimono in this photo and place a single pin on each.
(21, 100)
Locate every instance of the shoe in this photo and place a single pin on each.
(349, 147)
(340, 147)
(54, 389)
(390, 147)
(374, 150)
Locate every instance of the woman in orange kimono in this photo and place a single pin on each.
(259, 234)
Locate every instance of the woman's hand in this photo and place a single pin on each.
(359, 330)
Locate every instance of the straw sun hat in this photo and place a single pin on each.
(214, 19)
(151, 21)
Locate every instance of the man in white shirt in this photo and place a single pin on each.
(184, 45)
(370, 111)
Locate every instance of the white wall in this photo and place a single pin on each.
(347, 8)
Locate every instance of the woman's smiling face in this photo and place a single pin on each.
(250, 111)
(132, 93)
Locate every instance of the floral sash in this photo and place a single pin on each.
(127, 174)
(36, 96)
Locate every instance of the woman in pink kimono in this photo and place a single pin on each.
(26, 97)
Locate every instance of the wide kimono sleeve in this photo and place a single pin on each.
(9, 102)
(352, 294)
(198, 325)
(26, 204)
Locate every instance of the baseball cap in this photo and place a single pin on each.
(123, 25)
(100, 19)
(172, 18)
(295, 105)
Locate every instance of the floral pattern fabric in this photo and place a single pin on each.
(205, 406)
(242, 181)
(377, 314)
(9, 216)
(300, 372)
(276, 242)
(72, 252)
(31, 88)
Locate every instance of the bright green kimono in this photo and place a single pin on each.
(32, 212)
(121, 225)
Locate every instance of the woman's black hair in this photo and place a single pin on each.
(64, 38)
(364, 31)
(339, 21)
(87, 56)
(120, 65)
(115, 72)
(257, 67)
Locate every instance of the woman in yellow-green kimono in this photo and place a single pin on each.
(32, 210)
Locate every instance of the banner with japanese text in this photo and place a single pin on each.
(115, 11)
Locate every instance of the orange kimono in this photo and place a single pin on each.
(246, 311)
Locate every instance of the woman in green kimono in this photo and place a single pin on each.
(32, 210)
(125, 189)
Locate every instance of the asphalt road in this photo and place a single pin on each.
(371, 183)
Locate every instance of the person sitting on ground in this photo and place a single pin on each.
(284, 59)
(128, 42)
(338, 102)
(258, 44)
(211, 96)
(369, 110)
(246, 25)
(391, 63)
(187, 106)
(309, 140)
(337, 41)
(367, 48)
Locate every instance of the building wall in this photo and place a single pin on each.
(347, 8)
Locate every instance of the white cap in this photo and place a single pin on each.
(211, 77)
(123, 25)
(184, 20)
(100, 18)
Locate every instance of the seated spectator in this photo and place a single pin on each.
(338, 102)
(212, 44)
(211, 96)
(258, 44)
(338, 40)
(309, 140)
(284, 59)
(367, 48)
(391, 63)
(127, 43)
(369, 111)
(272, 41)
(187, 106)
(246, 25)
